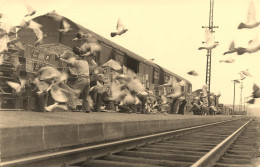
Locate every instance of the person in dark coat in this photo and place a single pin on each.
(181, 107)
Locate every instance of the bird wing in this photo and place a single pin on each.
(58, 94)
(251, 13)
(23, 82)
(253, 43)
(13, 85)
(66, 25)
(164, 99)
(205, 90)
(49, 73)
(29, 9)
(41, 85)
(95, 47)
(246, 73)
(136, 85)
(36, 27)
(120, 25)
(182, 83)
(232, 45)
(209, 37)
(112, 64)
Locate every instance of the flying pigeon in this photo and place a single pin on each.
(87, 37)
(246, 73)
(99, 88)
(229, 60)
(36, 27)
(18, 87)
(66, 27)
(61, 92)
(253, 46)
(46, 73)
(251, 101)
(251, 22)
(113, 64)
(256, 91)
(150, 60)
(242, 76)
(193, 72)
(120, 29)
(232, 49)
(52, 107)
(210, 40)
(117, 93)
(42, 86)
(30, 10)
(176, 91)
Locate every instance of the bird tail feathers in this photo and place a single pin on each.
(241, 25)
(113, 34)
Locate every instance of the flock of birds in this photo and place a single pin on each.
(253, 46)
(124, 87)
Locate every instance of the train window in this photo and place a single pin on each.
(182, 88)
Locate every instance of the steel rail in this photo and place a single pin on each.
(105, 148)
(213, 155)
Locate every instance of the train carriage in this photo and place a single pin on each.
(150, 74)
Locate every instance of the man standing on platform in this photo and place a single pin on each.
(181, 107)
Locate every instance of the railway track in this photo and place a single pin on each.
(197, 146)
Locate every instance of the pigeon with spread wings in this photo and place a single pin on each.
(120, 29)
(251, 22)
(18, 87)
(36, 27)
(30, 10)
(233, 49)
(66, 27)
(210, 40)
(253, 46)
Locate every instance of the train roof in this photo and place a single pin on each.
(114, 45)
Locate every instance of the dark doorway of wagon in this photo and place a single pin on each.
(132, 64)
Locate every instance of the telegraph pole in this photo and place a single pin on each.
(241, 99)
(209, 52)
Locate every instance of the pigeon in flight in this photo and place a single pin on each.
(242, 76)
(52, 107)
(18, 87)
(30, 10)
(193, 72)
(150, 60)
(87, 37)
(246, 73)
(251, 22)
(232, 49)
(210, 40)
(113, 64)
(36, 27)
(66, 27)
(256, 91)
(229, 60)
(253, 46)
(120, 29)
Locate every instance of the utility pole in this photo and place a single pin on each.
(209, 52)
(241, 99)
(235, 81)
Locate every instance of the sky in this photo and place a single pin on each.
(170, 31)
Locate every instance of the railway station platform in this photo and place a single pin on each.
(26, 133)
